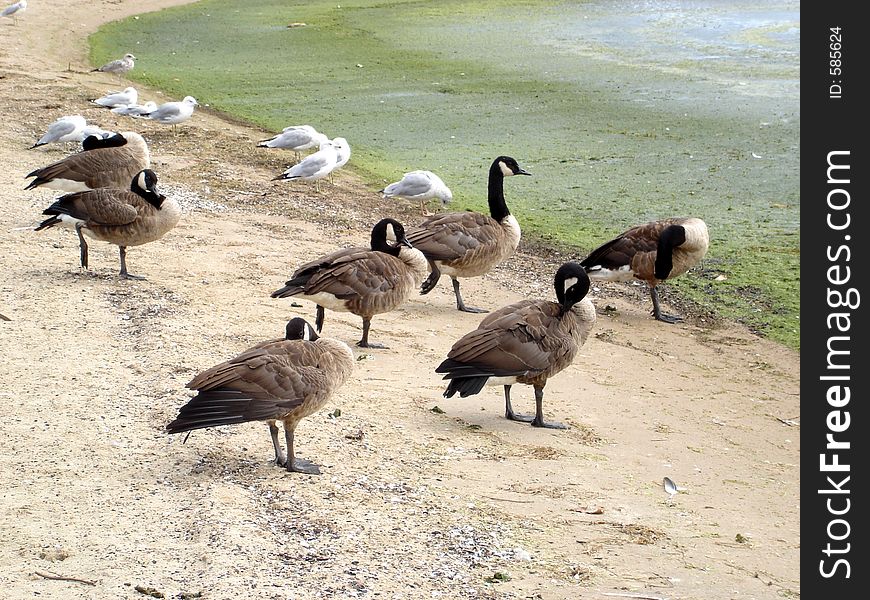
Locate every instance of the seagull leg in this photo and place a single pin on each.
(124, 274)
(423, 210)
(539, 412)
(83, 246)
(280, 457)
(293, 464)
(509, 410)
(657, 311)
(460, 305)
(432, 280)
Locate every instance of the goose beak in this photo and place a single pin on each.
(404, 242)
(523, 172)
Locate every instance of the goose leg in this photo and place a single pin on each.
(509, 410)
(657, 311)
(83, 246)
(460, 305)
(280, 457)
(318, 320)
(432, 280)
(297, 465)
(364, 342)
(539, 412)
(124, 272)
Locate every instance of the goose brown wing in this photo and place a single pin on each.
(365, 273)
(450, 236)
(619, 251)
(325, 261)
(101, 167)
(517, 340)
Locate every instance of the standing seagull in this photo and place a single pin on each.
(470, 244)
(173, 113)
(651, 252)
(365, 282)
(422, 186)
(124, 218)
(313, 167)
(118, 67)
(13, 10)
(278, 380)
(295, 138)
(525, 342)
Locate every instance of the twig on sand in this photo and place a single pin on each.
(638, 596)
(510, 500)
(62, 578)
(4, 317)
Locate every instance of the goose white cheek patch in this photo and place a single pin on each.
(570, 282)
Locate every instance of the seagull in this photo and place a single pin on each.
(172, 113)
(118, 67)
(296, 138)
(422, 186)
(93, 130)
(313, 167)
(66, 129)
(342, 151)
(135, 110)
(125, 97)
(13, 10)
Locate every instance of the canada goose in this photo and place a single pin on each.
(652, 252)
(125, 97)
(124, 218)
(525, 342)
(14, 11)
(296, 138)
(365, 282)
(110, 163)
(278, 380)
(118, 67)
(422, 186)
(313, 167)
(68, 128)
(172, 113)
(469, 244)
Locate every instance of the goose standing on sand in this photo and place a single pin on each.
(365, 282)
(422, 186)
(120, 217)
(525, 342)
(278, 380)
(119, 67)
(125, 97)
(470, 244)
(651, 252)
(14, 11)
(69, 128)
(172, 113)
(313, 167)
(295, 138)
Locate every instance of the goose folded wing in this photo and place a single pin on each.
(453, 235)
(360, 274)
(619, 251)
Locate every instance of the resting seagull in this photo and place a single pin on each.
(66, 129)
(173, 113)
(125, 97)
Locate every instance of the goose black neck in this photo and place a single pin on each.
(498, 210)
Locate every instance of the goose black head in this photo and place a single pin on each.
(145, 184)
(571, 284)
(670, 238)
(92, 142)
(508, 166)
(300, 329)
(386, 231)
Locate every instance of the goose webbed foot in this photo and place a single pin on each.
(124, 274)
(431, 281)
(657, 310)
(460, 305)
(548, 424)
(300, 465)
(538, 421)
(509, 409)
(364, 342)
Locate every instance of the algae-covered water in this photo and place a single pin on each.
(624, 111)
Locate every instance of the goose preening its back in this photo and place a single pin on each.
(525, 342)
(278, 380)
(120, 217)
(111, 162)
(422, 186)
(651, 252)
(470, 244)
(362, 281)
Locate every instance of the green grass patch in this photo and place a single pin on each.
(612, 141)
